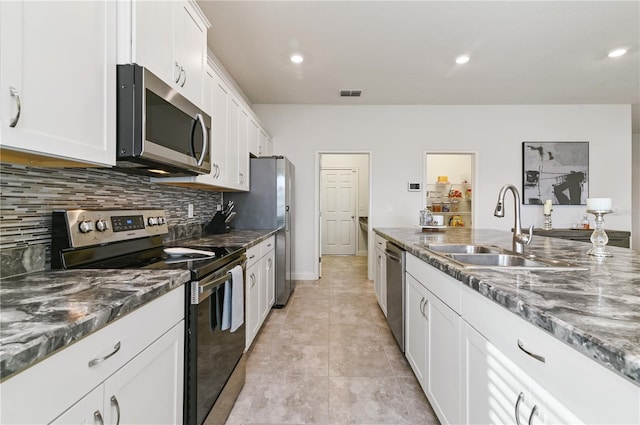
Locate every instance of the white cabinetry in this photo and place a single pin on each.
(260, 286)
(134, 364)
(380, 277)
(57, 83)
(432, 344)
(558, 384)
(169, 38)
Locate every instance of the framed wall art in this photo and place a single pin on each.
(555, 170)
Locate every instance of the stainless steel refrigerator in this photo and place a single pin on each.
(269, 205)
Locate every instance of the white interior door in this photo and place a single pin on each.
(338, 189)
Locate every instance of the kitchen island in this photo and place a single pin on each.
(595, 312)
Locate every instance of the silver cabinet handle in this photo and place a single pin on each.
(182, 70)
(97, 418)
(535, 356)
(252, 256)
(253, 280)
(114, 403)
(520, 398)
(534, 412)
(14, 93)
(94, 362)
(178, 68)
(269, 262)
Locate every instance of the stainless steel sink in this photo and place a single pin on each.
(511, 261)
(464, 249)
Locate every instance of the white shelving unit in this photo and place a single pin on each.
(457, 210)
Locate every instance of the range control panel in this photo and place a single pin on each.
(96, 227)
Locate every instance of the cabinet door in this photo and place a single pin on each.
(269, 148)
(233, 134)
(190, 35)
(262, 142)
(252, 301)
(220, 131)
(57, 92)
(149, 389)
(243, 150)
(416, 329)
(89, 410)
(153, 38)
(443, 355)
(254, 137)
(380, 280)
(270, 273)
(493, 384)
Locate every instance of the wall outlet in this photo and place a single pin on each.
(190, 211)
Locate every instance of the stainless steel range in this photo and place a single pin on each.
(132, 239)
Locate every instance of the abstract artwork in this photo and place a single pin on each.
(555, 170)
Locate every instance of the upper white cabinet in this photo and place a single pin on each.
(235, 133)
(169, 38)
(57, 82)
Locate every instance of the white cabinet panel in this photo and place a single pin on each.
(57, 92)
(190, 50)
(416, 329)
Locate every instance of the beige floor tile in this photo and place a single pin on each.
(398, 361)
(346, 334)
(307, 331)
(420, 411)
(366, 401)
(358, 361)
(304, 360)
(299, 400)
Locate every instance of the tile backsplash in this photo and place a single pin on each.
(28, 195)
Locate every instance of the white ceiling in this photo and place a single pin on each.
(403, 52)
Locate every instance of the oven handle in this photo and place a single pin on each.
(206, 285)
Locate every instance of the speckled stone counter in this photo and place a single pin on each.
(45, 311)
(597, 312)
(246, 238)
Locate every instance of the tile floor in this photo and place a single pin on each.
(329, 357)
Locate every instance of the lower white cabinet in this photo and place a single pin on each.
(134, 366)
(380, 276)
(432, 348)
(260, 295)
(148, 389)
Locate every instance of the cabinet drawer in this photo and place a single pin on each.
(253, 255)
(588, 389)
(380, 242)
(442, 285)
(42, 391)
(267, 245)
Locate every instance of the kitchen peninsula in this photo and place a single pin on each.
(594, 312)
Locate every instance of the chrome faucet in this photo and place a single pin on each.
(519, 239)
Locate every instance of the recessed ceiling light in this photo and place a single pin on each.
(617, 53)
(462, 59)
(297, 58)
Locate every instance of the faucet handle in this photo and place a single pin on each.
(530, 236)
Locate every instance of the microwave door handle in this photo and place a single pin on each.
(205, 139)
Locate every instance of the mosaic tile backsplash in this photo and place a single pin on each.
(28, 195)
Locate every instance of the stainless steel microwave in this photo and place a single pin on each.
(159, 132)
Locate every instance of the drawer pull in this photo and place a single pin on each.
(534, 412)
(114, 403)
(252, 256)
(535, 356)
(520, 398)
(94, 362)
(97, 418)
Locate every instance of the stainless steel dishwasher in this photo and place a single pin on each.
(395, 291)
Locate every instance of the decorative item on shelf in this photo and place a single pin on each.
(443, 180)
(436, 206)
(584, 224)
(547, 214)
(454, 193)
(446, 206)
(456, 221)
(599, 207)
(467, 193)
(455, 205)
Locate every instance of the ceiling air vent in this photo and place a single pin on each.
(350, 93)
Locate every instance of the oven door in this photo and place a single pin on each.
(212, 353)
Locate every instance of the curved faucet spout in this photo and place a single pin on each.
(519, 239)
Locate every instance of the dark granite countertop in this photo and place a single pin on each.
(596, 312)
(246, 238)
(43, 312)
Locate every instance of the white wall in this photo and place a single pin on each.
(398, 136)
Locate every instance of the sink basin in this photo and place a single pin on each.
(464, 249)
(509, 260)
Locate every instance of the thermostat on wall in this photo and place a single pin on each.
(413, 187)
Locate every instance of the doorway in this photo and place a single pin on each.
(343, 198)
